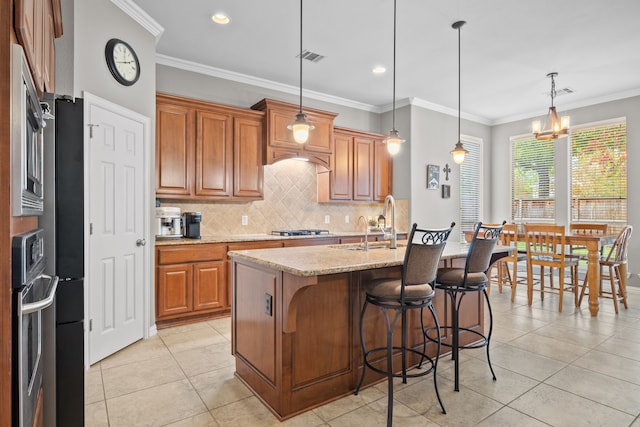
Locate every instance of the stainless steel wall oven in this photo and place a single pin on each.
(27, 123)
(33, 293)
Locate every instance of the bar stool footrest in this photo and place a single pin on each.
(483, 343)
(425, 358)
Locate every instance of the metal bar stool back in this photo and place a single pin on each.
(413, 291)
(457, 282)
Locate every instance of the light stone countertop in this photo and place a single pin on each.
(331, 259)
(256, 238)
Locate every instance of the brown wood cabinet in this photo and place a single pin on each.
(279, 139)
(361, 168)
(37, 24)
(191, 282)
(207, 151)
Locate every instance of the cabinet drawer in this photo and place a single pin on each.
(191, 253)
(266, 244)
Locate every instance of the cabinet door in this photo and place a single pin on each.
(28, 20)
(209, 285)
(214, 154)
(341, 175)
(49, 49)
(362, 168)
(382, 172)
(174, 150)
(247, 158)
(174, 294)
(320, 137)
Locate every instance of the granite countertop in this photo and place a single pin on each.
(226, 238)
(331, 259)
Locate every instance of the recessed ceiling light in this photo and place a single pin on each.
(378, 70)
(220, 18)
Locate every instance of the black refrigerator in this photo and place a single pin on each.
(63, 222)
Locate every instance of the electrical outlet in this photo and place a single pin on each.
(245, 219)
(268, 304)
(346, 219)
(327, 219)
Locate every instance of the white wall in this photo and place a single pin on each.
(81, 66)
(430, 138)
(501, 163)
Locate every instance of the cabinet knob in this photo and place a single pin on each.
(141, 242)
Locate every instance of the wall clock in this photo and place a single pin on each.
(122, 61)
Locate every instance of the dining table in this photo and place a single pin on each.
(593, 243)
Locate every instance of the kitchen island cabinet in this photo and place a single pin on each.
(295, 320)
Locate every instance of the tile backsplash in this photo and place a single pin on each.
(290, 202)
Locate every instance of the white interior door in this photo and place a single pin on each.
(117, 216)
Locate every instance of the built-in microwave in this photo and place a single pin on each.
(27, 123)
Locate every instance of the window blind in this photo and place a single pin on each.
(533, 173)
(470, 189)
(599, 174)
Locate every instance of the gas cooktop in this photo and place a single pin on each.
(312, 232)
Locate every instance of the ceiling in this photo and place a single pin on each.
(507, 48)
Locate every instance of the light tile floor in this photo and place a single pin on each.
(558, 369)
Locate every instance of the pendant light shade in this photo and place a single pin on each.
(554, 127)
(300, 127)
(458, 151)
(393, 141)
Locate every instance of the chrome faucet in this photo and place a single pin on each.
(365, 244)
(393, 237)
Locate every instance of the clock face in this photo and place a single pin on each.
(122, 61)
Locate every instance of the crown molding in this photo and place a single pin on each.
(585, 103)
(141, 17)
(257, 81)
(449, 111)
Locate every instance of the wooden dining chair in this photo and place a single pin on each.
(610, 270)
(546, 248)
(595, 229)
(509, 237)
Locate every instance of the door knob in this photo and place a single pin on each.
(141, 242)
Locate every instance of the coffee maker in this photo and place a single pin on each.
(191, 224)
(168, 223)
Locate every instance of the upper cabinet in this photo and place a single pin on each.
(37, 24)
(207, 151)
(279, 139)
(360, 168)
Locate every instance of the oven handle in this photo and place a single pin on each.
(45, 302)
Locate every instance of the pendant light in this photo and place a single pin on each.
(393, 141)
(300, 127)
(557, 128)
(458, 151)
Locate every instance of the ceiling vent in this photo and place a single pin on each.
(563, 91)
(311, 56)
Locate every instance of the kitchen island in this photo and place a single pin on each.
(295, 319)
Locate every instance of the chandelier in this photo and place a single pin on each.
(554, 127)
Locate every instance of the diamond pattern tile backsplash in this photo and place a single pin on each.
(290, 202)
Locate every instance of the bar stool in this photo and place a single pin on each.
(457, 282)
(413, 291)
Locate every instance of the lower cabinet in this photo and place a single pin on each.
(190, 282)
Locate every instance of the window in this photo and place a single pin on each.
(599, 174)
(470, 185)
(533, 176)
